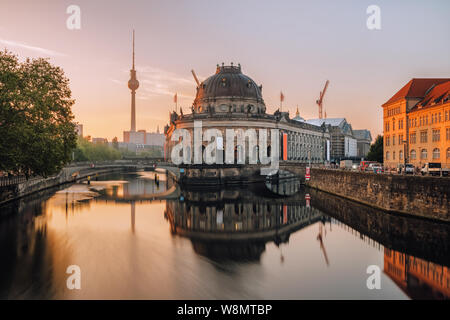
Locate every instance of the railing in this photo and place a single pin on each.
(13, 180)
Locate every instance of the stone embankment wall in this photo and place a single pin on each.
(33, 185)
(412, 195)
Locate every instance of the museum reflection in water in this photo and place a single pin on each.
(228, 224)
(236, 224)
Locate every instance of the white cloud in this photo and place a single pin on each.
(22, 45)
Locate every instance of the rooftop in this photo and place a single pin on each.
(416, 88)
(362, 134)
(331, 121)
(437, 94)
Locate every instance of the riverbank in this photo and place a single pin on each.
(426, 197)
(67, 175)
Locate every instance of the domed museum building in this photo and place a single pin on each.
(230, 99)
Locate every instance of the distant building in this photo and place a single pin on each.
(155, 138)
(99, 140)
(298, 117)
(363, 141)
(144, 138)
(416, 123)
(343, 142)
(79, 129)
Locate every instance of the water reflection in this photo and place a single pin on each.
(136, 236)
(235, 223)
(418, 278)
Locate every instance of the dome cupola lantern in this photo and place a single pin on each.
(229, 90)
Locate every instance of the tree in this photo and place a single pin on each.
(36, 121)
(115, 143)
(376, 150)
(88, 151)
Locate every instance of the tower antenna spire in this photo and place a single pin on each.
(133, 49)
(133, 84)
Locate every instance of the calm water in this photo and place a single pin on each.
(135, 238)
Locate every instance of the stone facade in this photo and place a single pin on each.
(363, 141)
(231, 100)
(412, 195)
(416, 123)
(343, 142)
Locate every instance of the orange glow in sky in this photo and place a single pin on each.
(292, 46)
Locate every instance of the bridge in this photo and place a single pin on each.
(17, 187)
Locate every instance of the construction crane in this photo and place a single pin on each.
(320, 100)
(195, 78)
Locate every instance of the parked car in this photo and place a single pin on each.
(409, 168)
(402, 168)
(434, 169)
(364, 164)
(375, 168)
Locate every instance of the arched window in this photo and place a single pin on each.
(400, 155)
(423, 154)
(413, 154)
(436, 153)
(387, 155)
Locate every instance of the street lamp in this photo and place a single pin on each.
(405, 156)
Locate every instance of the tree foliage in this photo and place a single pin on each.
(88, 151)
(36, 121)
(376, 150)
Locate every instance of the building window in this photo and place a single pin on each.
(387, 155)
(436, 135)
(393, 124)
(413, 154)
(448, 153)
(423, 136)
(440, 119)
(446, 115)
(412, 138)
(447, 133)
(436, 153)
(400, 139)
(400, 155)
(393, 140)
(387, 141)
(393, 155)
(423, 154)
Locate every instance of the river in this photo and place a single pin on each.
(135, 237)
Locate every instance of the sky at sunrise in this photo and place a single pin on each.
(288, 46)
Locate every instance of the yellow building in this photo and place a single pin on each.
(416, 123)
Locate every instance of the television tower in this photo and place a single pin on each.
(133, 84)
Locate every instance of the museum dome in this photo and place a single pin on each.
(227, 88)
